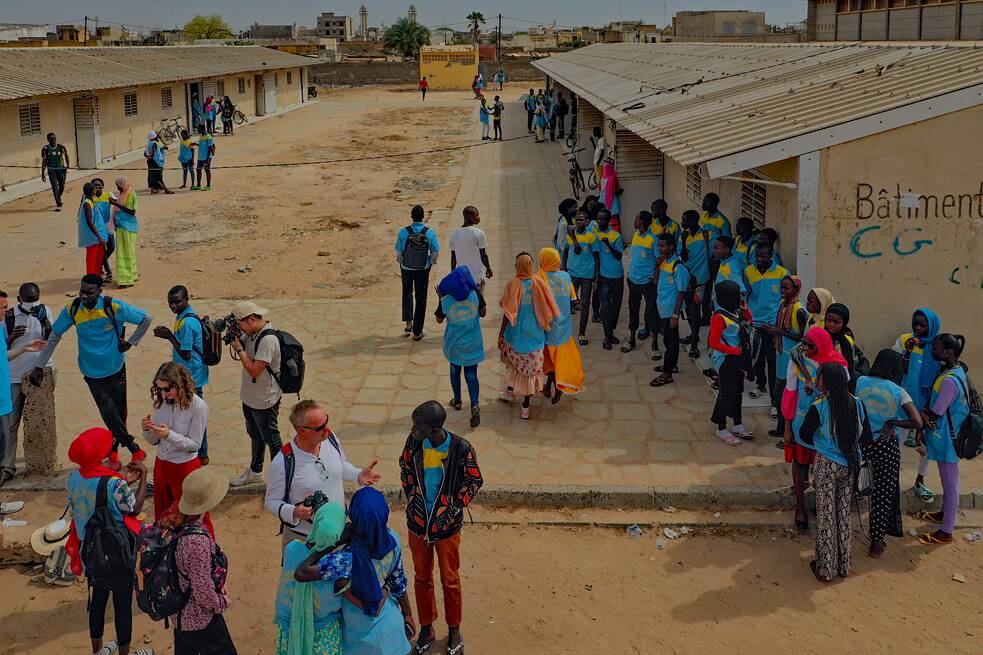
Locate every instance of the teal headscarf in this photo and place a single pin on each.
(328, 524)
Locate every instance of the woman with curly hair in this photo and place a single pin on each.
(176, 428)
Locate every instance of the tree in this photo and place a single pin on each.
(477, 19)
(406, 37)
(208, 27)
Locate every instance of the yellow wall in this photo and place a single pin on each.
(288, 94)
(56, 116)
(443, 75)
(893, 274)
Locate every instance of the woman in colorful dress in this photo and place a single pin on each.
(127, 227)
(91, 231)
(529, 311)
(561, 356)
(790, 324)
(463, 307)
(610, 192)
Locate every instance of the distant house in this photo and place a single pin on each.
(102, 102)
(257, 31)
(337, 27)
(913, 20)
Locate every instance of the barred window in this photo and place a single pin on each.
(754, 201)
(166, 98)
(129, 104)
(242, 86)
(30, 120)
(290, 77)
(220, 89)
(276, 80)
(694, 185)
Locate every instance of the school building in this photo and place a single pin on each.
(448, 67)
(102, 102)
(864, 157)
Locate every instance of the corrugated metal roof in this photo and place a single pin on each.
(26, 72)
(697, 102)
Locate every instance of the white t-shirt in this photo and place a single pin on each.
(25, 362)
(600, 150)
(307, 480)
(467, 243)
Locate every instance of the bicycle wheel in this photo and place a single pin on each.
(239, 117)
(166, 135)
(591, 181)
(572, 141)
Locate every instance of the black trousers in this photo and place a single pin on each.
(612, 292)
(497, 124)
(776, 399)
(110, 249)
(110, 396)
(707, 310)
(636, 292)
(529, 117)
(214, 639)
(261, 426)
(764, 367)
(56, 177)
(122, 614)
(694, 313)
(561, 120)
(553, 129)
(416, 284)
(730, 395)
(584, 287)
(670, 336)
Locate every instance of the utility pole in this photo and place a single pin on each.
(498, 49)
(85, 34)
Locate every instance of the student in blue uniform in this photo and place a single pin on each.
(763, 282)
(463, 307)
(694, 248)
(731, 267)
(672, 282)
(581, 255)
(611, 275)
(713, 220)
(745, 239)
(104, 211)
(726, 353)
(564, 224)
(641, 285)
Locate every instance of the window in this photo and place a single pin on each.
(276, 80)
(754, 201)
(290, 77)
(220, 89)
(130, 104)
(694, 185)
(30, 120)
(242, 86)
(166, 98)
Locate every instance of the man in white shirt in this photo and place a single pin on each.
(468, 245)
(600, 152)
(319, 464)
(27, 321)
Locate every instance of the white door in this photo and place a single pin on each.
(87, 141)
(269, 85)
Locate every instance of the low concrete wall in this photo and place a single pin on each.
(408, 72)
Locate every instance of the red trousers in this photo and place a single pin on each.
(168, 478)
(448, 553)
(94, 256)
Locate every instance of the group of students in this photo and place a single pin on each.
(544, 110)
(155, 151)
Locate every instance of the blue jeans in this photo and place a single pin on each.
(470, 376)
(203, 451)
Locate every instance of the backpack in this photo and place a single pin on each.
(157, 584)
(969, 442)
(750, 341)
(290, 465)
(211, 341)
(290, 377)
(109, 549)
(10, 319)
(107, 307)
(416, 251)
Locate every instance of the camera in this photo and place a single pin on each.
(228, 328)
(315, 500)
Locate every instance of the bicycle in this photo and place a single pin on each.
(170, 130)
(572, 139)
(577, 183)
(239, 118)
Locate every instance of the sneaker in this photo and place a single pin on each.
(248, 476)
(196, 188)
(643, 334)
(507, 396)
(773, 414)
(207, 188)
(607, 344)
(11, 507)
(628, 346)
(475, 416)
(615, 340)
(694, 353)
(417, 337)
(526, 413)
(656, 355)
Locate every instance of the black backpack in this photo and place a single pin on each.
(211, 341)
(109, 548)
(290, 377)
(750, 341)
(416, 251)
(969, 442)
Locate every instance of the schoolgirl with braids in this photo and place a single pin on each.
(835, 427)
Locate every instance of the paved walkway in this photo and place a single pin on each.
(618, 432)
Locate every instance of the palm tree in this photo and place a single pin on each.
(476, 18)
(406, 37)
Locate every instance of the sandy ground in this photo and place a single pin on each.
(297, 229)
(593, 590)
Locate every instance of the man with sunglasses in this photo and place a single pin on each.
(313, 461)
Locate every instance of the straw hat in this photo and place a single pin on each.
(202, 490)
(51, 537)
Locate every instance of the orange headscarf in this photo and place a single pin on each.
(549, 262)
(543, 302)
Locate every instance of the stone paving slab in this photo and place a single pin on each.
(618, 433)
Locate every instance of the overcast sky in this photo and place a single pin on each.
(241, 13)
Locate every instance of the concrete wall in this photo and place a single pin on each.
(935, 22)
(904, 24)
(883, 260)
(780, 37)
(287, 93)
(448, 75)
(407, 72)
(56, 116)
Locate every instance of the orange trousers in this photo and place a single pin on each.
(448, 553)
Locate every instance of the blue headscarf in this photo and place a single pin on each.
(458, 284)
(370, 541)
(930, 367)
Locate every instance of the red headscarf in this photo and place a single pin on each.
(825, 351)
(88, 450)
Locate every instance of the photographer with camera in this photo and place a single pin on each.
(100, 327)
(309, 471)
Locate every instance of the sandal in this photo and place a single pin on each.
(755, 393)
(658, 369)
(743, 434)
(475, 416)
(931, 517)
(930, 539)
(627, 346)
(729, 439)
(457, 650)
(926, 494)
(661, 381)
(422, 647)
(456, 404)
(582, 340)
(656, 355)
